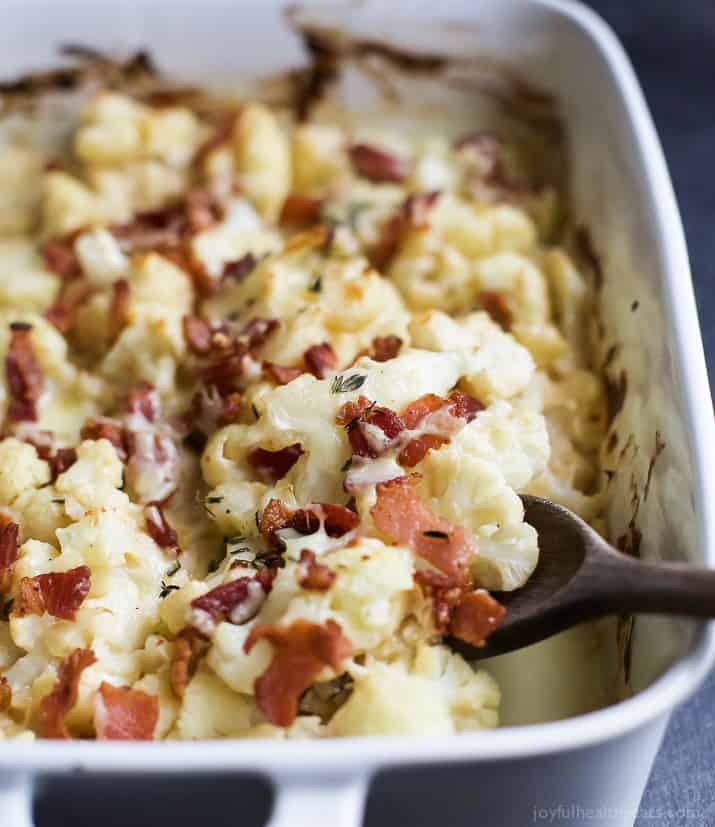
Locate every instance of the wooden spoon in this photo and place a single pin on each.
(581, 577)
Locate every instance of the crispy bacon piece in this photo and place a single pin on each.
(203, 210)
(301, 210)
(350, 411)
(119, 308)
(338, 520)
(416, 411)
(60, 257)
(190, 645)
(371, 428)
(257, 331)
(445, 593)
(401, 515)
(64, 311)
(197, 334)
(495, 304)
(143, 399)
(124, 714)
(237, 601)
(413, 214)
(276, 515)
(55, 706)
(102, 427)
(377, 164)
(238, 270)
(281, 374)
(58, 593)
(384, 348)
(225, 373)
(464, 406)
(9, 552)
(312, 574)
(23, 375)
(5, 695)
(61, 460)
(300, 652)
(475, 617)
(161, 228)
(417, 449)
(271, 466)
(321, 359)
(159, 529)
(207, 412)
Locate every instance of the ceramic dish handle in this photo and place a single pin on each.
(16, 801)
(338, 801)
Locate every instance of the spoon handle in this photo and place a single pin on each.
(624, 584)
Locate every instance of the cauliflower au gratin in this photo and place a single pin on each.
(270, 392)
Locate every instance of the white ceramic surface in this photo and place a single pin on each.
(622, 190)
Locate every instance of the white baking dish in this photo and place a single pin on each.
(621, 189)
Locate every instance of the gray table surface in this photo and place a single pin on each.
(672, 45)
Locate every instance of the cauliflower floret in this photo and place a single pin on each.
(20, 469)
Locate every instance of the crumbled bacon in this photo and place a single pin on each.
(23, 375)
(301, 210)
(417, 449)
(271, 466)
(312, 574)
(5, 695)
(61, 460)
(377, 164)
(237, 601)
(160, 228)
(55, 706)
(58, 593)
(464, 406)
(143, 400)
(124, 714)
(321, 359)
(475, 617)
(257, 331)
(338, 520)
(152, 472)
(371, 428)
(189, 646)
(119, 308)
(238, 269)
(444, 591)
(203, 210)
(9, 552)
(276, 515)
(64, 311)
(197, 334)
(402, 516)
(102, 427)
(159, 529)
(495, 304)
(225, 373)
(281, 374)
(207, 412)
(300, 652)
(60, 256)
(384, 348)
(412, 214)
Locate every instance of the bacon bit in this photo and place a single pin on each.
(124, 714)
(377, 164)
(300, 652)
(237, 601)
(281, 374)
(416, 411)
(384, 348)
(197, 334)
(464, 406)
(401, 515)
(203, 210)
(360, 427)
(152, 472)
(23, 374)
(240, 268)
(58, 593)
(302, 210)
(222, 135)
(337, 519)
(475, 617)
(102, 427)
(417, 449)
(225, 373)
(152, 229)
(312, 574)
(61, 460)
(159, 529)
(144, 400)
(350, 411)
(257, 332)
(64, 311)
(60, 256)
(207, 412)
(495, 304)
(271, 466)
(119, 308)
(413, 214)
(5, 695)
(444, 592)
(276, 515)
(55, 706)
(321, 359)
(189, 646)
(9, 552)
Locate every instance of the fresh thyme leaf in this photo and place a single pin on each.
(255, 411)
(172, 571)
(167, 589)
(440, 535)
(214, 499)
(59, 501)
(356, 419)
(347, 464)
(317, 285)
(345, 384)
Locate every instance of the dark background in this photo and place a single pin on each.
(672, 44)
